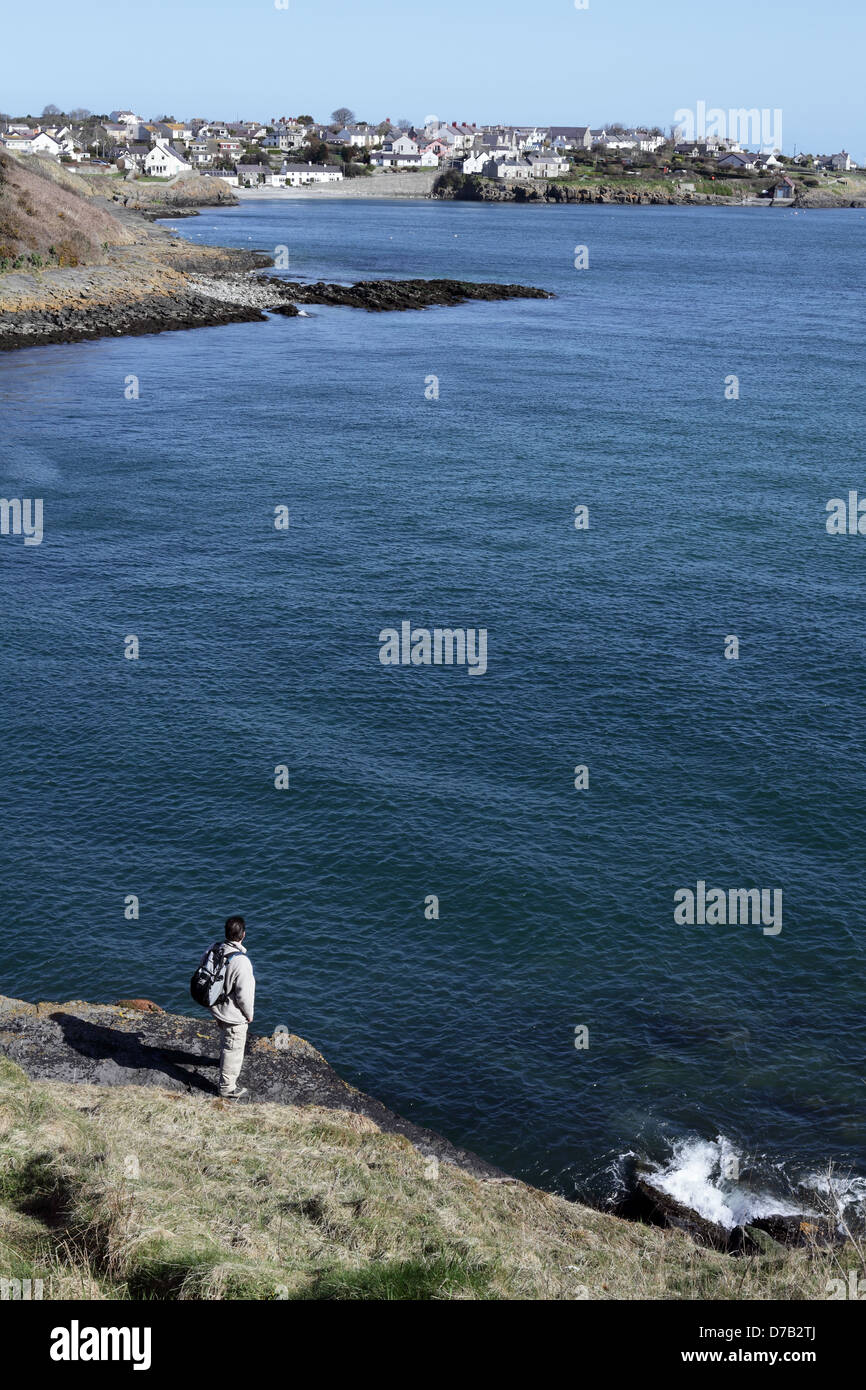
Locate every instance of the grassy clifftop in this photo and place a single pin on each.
(134, 1192)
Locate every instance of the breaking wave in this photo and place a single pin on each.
(719, 1182)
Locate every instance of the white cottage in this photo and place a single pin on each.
(163, 161)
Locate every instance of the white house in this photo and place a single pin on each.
(17, 140)
(163, 161)
(129, 156)
(230, 179)
(388, 159)
(43, 143)
(456, 137)
(283, 139)
(32, 142)
(529, 138)
(402, 144)
(362, 136)
(131, 124)
(70, 144)
(474, 163)
(179, 132)
(647, 143)
(296, 175)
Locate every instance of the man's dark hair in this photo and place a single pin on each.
(235, 928)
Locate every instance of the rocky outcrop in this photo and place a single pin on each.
(383, 295)
(127, 316)
(649, 1202)
(475, 189)
(825, 198)
(135, 1043)
(182, 197)
(87, 304)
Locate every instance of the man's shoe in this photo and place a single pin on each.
(238, 1094)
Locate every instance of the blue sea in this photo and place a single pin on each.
(259, 648)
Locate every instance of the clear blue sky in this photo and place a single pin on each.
(476, 60)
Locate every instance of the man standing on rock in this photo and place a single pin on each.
(233, 1010)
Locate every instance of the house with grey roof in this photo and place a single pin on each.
(570, 137)
(738, 159)
(512, 168)
(547, 166)
(250, 175)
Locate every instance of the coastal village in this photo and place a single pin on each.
(290, 152)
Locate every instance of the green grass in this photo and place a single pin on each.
(141, 1193)
(713, 188)
(413, 1280)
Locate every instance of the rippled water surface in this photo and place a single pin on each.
(259, 647)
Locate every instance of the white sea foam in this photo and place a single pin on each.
(844, 1194)
(694, 1177)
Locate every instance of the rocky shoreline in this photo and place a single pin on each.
(119, 273)
(230, 296)
(480, 190)
(136, 1043)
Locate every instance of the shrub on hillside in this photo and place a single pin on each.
(449, 182)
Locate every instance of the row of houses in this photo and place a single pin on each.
(294, 175)
(55, 142)
(164, 149)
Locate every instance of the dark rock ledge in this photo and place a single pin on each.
(382, 295)
(135, 1043)
(157, 314)
(207, 301)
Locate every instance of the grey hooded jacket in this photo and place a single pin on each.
(239, 1000)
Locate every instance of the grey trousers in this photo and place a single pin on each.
(234, 1038)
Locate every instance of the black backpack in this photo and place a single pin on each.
(207, 985)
